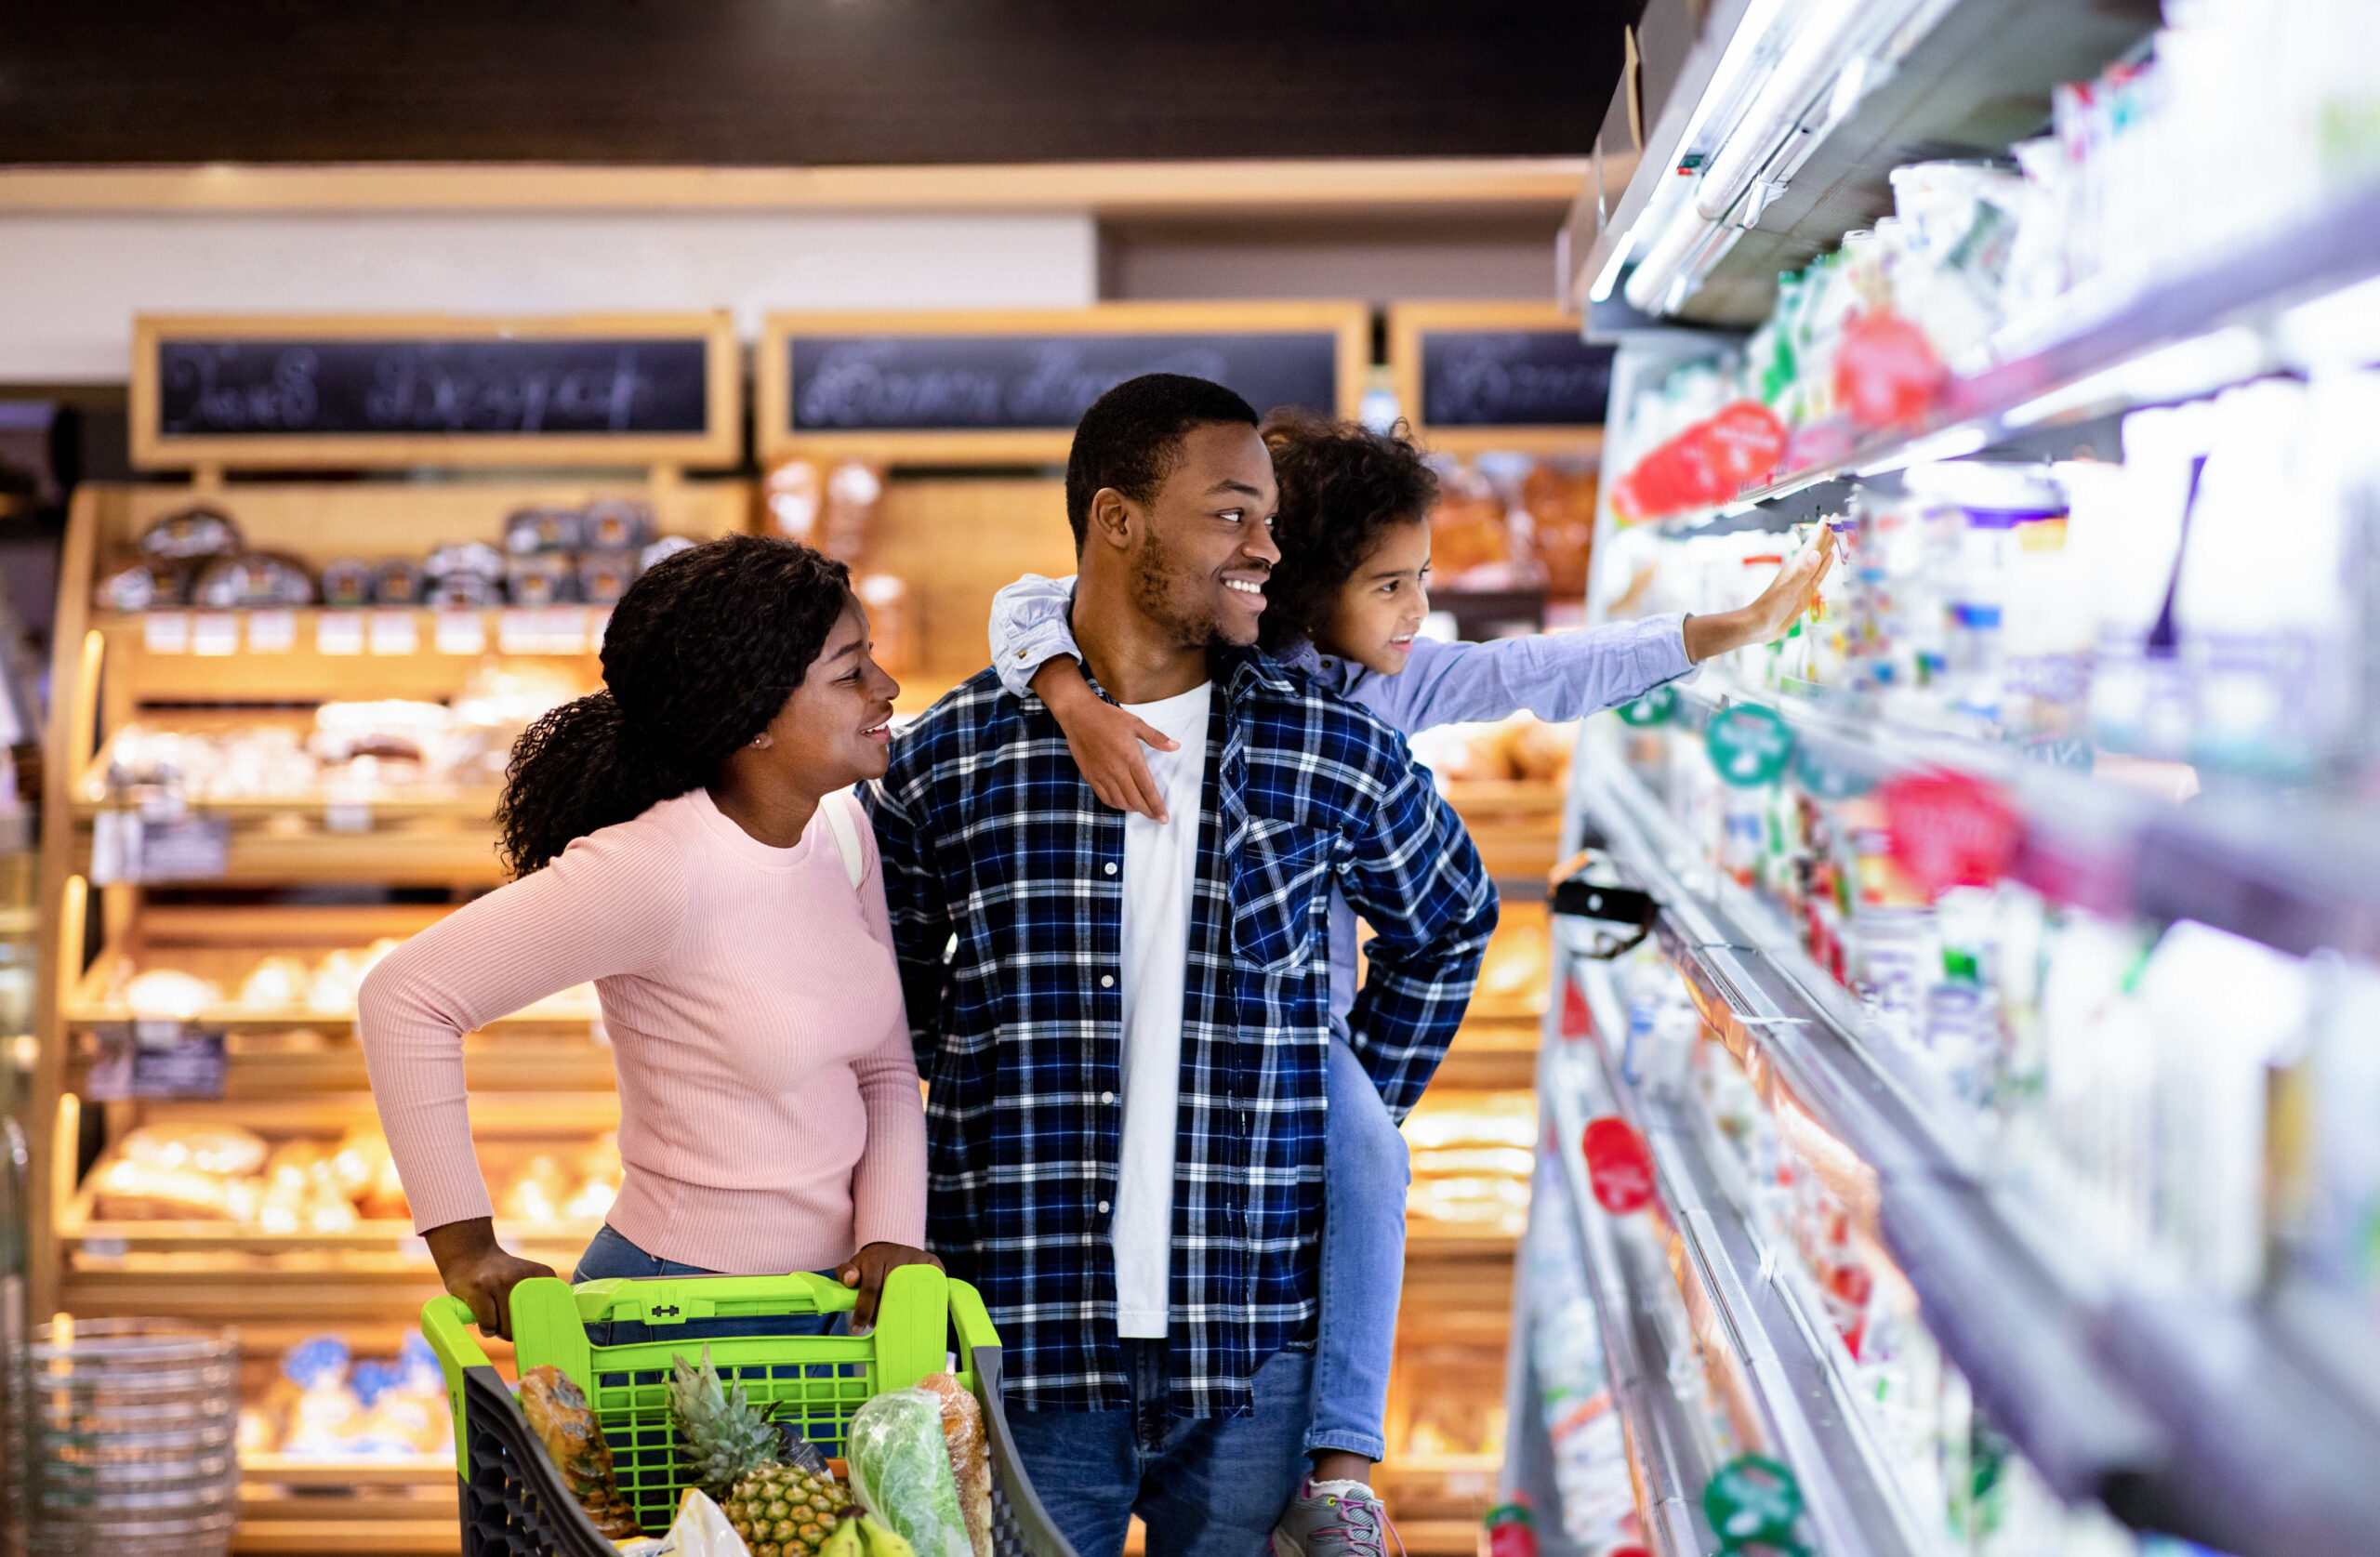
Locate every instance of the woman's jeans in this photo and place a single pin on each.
(612, 1255)
(1363, 1263)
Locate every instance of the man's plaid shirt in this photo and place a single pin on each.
(989, 835)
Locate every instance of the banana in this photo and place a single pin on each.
(846, 1541)
(882, 1539)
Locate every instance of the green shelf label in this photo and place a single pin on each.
(1752, 1503)
(1657, 706)
(1748, 744)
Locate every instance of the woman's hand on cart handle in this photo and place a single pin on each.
(866, 1271)
(476, 1269)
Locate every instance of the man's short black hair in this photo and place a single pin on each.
(1130, 436)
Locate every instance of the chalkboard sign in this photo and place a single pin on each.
(984, 386)
(1498, 375)
(273, 392)
(887, 383)
(468, 387)
(1512, 379)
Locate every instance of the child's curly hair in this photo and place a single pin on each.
(1342, 484)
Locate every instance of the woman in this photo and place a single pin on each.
(678, 837)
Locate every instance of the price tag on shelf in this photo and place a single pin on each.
(346, 816)
(1657, 706)
(215, 632)
(563, 629)
(271, 632)
(461, 632)
(339, 632)
(126, 845)
(598, 624)
(165, 632)
(1748, 744)
(156, 1058)
(394, 632)
(516, 631)
(1753, 1499)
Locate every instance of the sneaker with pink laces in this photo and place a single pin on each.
(1334, 1519)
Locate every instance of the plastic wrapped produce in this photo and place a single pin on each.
(970, 1461)
(558, 1412)
(900, 1464)
(253, 580)
(198, 531)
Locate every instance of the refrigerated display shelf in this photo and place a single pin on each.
(2169, 1409)
(1785, 1354)
(1934, 79)
(2091, 356)
(2296, 870)
(1670, 1457)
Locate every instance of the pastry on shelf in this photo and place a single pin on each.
(167, 994)
(1519, 964)
(1486, 1202)
(1473, 1119)
(278, 983)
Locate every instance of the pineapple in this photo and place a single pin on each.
(733, 1452)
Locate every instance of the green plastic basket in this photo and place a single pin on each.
(514, 1500)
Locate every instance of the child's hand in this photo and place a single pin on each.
(1105, 740)
(1789, 596)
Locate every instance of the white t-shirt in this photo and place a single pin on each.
(1160, 867)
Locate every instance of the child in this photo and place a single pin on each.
(1343, 608)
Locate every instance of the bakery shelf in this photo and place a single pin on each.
(224, 945)
(434, 1472)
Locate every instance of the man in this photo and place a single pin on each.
(1123, 1022)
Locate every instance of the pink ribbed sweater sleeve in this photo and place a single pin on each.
(603, 908)
(888, 1186)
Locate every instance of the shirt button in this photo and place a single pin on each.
(1107, 980)
(1111, 868)
(1102, 1208)
(1106, 1097)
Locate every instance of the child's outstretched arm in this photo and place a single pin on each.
(1565, 676)
(1032, 650)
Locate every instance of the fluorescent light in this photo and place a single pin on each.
(1956, 442)
(1601, 291)
(1775, 113)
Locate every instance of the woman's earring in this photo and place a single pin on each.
(761, 739)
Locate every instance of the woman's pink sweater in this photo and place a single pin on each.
(769, 1110)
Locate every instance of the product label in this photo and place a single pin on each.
(1949, 830)
(127, 846)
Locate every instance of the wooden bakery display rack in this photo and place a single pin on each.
(281, 708)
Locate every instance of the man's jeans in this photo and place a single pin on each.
(1205, 1486)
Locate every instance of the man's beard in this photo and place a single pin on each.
(1153, 594)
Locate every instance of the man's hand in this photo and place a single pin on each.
(475, 1268)
(1104, 739)
(866, 1271)
(1788, 597)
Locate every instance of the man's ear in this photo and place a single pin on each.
(1111, 519)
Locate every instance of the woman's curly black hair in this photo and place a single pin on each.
(700, 655)
(1342, 484)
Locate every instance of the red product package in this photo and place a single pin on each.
(1708, 463)
(1619, 1166)
(1885, 372)
(1949, 830)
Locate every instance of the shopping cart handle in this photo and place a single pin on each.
(446, 1323)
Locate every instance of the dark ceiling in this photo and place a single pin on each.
(778, 82)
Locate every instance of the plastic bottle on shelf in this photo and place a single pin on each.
(2131, 537)
(2258, 607)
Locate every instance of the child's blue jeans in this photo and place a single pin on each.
(1363, 1263)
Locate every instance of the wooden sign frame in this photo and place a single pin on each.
(719, 444)
(774, 434)
(1409, 322)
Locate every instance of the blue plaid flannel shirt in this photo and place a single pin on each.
(1002, 871)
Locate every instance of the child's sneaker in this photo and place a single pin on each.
(1334, 1519)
